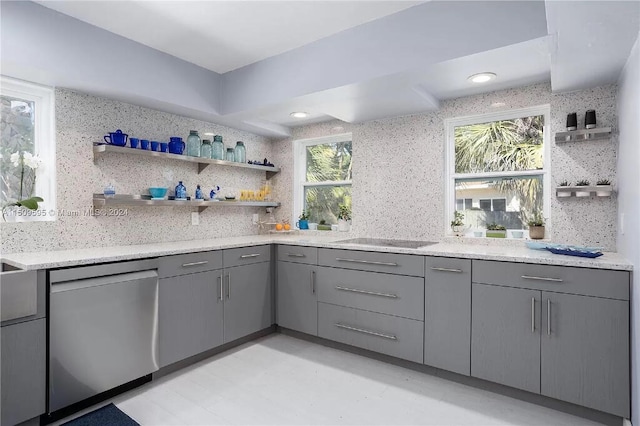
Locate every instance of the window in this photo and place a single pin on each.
(499, 162)
(27, 122)
(322, 177)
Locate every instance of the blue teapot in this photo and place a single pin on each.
(116, 138)
(176, 145)
(214, 191)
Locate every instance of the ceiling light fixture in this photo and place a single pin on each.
(208, 134)
(299, 114)
(497, 104)
(482, 77)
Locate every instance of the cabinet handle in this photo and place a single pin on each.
(221, 285)
(203, 262)
(245, 256)
(549, 317)
(533, 314)
(295, 255)
(555, 280)
(229, 286)
(371, 262)
(446, 269)
(372, 293)
(369, 332)
(313, 282)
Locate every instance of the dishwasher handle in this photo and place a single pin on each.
(100, 281)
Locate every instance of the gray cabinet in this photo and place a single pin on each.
(23, 364)
(190, 315)
(585, 351)
(297, 306)
(505, 342)
(248, 300)
(447, 314)
(390, 263)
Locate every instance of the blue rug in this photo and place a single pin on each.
(109, 415)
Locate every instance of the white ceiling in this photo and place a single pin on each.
(225, 35)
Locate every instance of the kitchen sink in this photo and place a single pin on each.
(387, 243)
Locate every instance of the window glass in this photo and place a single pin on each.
(329, 162)
(322, 202)
(18, 136)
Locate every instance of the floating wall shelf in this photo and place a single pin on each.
(584, 135)
(571, 191)
(123, 200)
(99, 150)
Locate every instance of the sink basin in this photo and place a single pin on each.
(387, 243)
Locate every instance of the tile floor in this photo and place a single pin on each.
(281, 380)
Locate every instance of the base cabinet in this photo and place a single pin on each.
(23, 363)
(297, 302)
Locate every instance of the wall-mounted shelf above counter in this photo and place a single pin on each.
(584, 191)
(584, 135)
(99, 150)
(128, 200)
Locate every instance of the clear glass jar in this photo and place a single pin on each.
(240, 153)
(217, 152)
(193, 144)
(206, 149)
(230, 155)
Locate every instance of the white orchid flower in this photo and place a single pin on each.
(15, 159)
(31, 161)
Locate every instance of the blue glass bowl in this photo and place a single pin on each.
(158, 192)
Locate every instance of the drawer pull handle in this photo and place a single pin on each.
(203, 262)
(369, 332)
(371, 262)
(295, 255)
(433, 268)
(313, 282)
(245, 256)
(372, 293)
(549, 317)
(221, 285)
(533, 314)
(555, 280)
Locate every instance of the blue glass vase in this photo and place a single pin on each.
(199, 195)
(181, 191)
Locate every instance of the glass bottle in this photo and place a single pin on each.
(181, 191)
(193, 144)
(230, 155)
(240, 153)
(199, 195)
(217, 148)
(206, 149)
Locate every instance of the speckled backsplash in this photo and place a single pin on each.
(398, 167)
(83, 119)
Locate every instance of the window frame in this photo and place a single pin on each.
(43, 98)
(450, 175)
(300, 169)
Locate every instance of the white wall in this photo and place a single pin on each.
(629, 202)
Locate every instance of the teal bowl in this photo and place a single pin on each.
(158, 192)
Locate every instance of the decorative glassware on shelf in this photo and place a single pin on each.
(206, 149)
(109, 191)
(217, 152)
(240, 153)
(230, 155)
(193, 144)
(199, 195)
(181, 191)
(214, 191)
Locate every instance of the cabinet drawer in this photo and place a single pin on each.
(559, 279)
(181, 264)
(246, 255)
(385, 293)
(298, 254)
(401, 264)
(398, 337)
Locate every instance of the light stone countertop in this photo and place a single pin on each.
(88, 256)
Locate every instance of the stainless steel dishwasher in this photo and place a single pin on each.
(103, 329)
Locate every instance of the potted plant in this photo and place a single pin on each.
(582, 193)
(457, 224)
(344, 217)
(322, 226)
(496, 231)
(303, 223)
(536, 227)
(563, 193)
(603, 188)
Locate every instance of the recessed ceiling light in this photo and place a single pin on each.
(208, 134)
(337, 129)
(299, 114)
(497, 104)
(483, 77)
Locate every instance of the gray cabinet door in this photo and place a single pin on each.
(297, 306)
(447, 315)
(190, 315)
(247, 305)
(23, 361)
(505, 336)
(585, 351)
